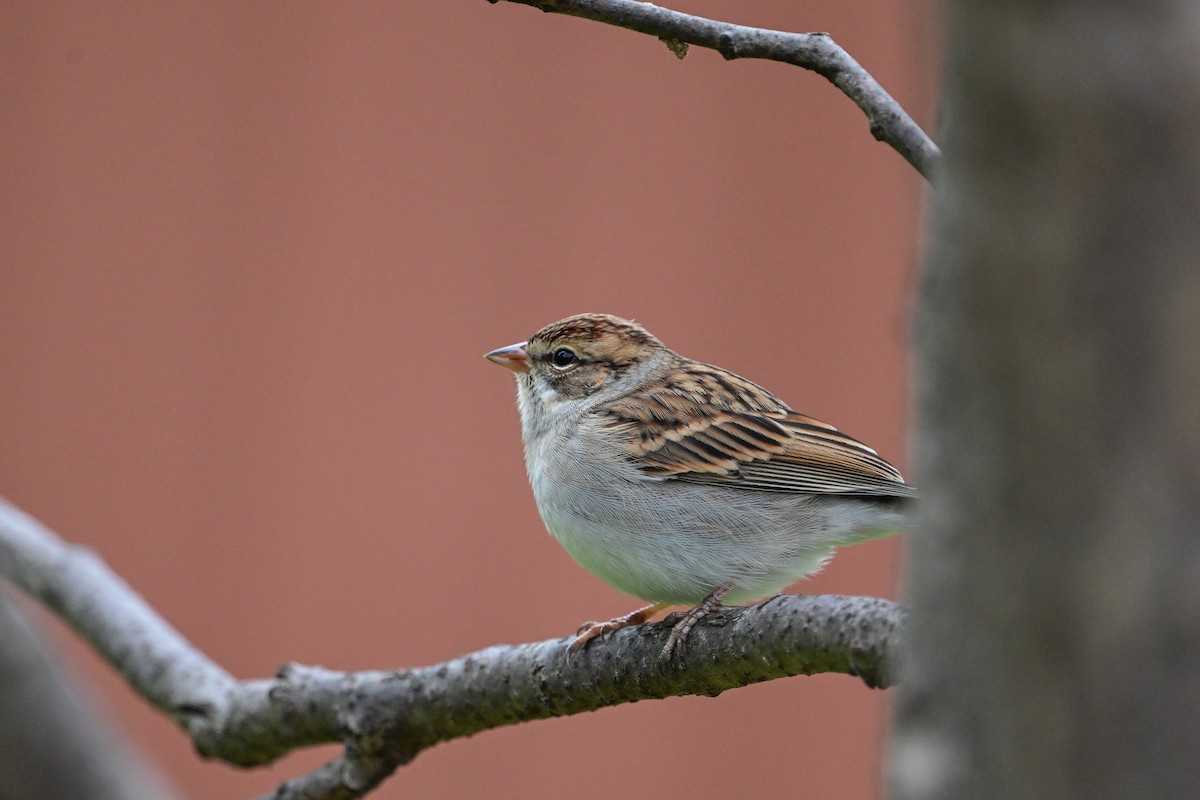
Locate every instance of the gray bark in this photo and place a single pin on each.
(1055, 579)
(890, 123)
(385, 719)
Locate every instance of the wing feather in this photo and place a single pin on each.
(708, 425)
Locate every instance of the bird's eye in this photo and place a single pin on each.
(563, 358)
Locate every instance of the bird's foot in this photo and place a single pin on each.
(682, 628)
(590, 630)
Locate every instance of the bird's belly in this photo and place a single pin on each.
(669, 542)
(621, 557)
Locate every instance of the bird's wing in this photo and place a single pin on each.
(712, 426)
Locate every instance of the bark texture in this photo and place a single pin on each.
(1055, 578)
(385, 719)
(890, 123)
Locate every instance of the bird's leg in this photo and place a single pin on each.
(682, 628)
(590, 630)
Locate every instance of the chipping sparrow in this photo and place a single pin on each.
(679, 482)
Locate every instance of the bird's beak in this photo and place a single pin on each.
(512, 357)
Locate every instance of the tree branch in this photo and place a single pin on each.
(890, 123)
(385, 719)
(55, 743)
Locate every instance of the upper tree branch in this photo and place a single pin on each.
(890, 123)
(385, 719)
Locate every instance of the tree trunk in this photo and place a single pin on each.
(1054, 647)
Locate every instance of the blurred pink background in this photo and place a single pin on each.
(252, 255)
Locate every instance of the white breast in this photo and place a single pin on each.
(667, 540)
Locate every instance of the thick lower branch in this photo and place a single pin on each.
(393, 716)
(386, 718)
(76, 584)
(890, 123)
